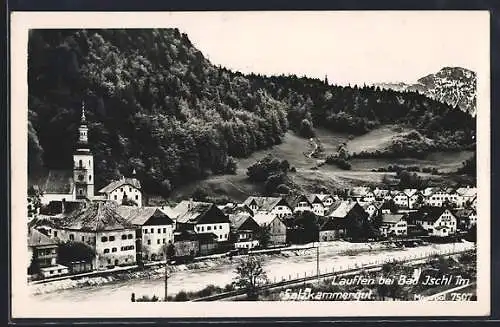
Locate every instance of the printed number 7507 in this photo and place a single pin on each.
(461, 296)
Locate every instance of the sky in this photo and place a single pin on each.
(349, 47)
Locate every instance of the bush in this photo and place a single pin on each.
(341, 163)
(181, 297)
(283, 189)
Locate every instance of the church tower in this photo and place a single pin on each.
(83, 163)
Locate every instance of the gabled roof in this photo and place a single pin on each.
(327, 223)
(36, 238)
(314, 198)
(358, 191)
(294, 200)
(409, 192)
(264, 218)
(97, 216)
(340, 209)
(467, 191)
(392, 218)
(430, 214)
(119, 183)
(59, 182)
(183, 207)
(237, 221)
(202, 213)
(265, 203)
(144, 215)
(464, 212)
(380, 192)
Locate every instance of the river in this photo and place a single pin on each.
(277, 268)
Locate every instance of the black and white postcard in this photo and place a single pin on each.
(250, 164)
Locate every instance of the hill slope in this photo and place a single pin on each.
(157, 105)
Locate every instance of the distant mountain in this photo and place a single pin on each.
(455, 86)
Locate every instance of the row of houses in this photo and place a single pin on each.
(413, 198)
(124, 234)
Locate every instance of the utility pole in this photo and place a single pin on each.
(317, 260)
(166, 275)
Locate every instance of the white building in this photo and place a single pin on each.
(394, 225)
(274, 205)
(154, 230)
(438, 221)
(123, 189)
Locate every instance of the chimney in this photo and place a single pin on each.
(63, 205)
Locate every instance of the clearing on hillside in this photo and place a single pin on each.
(377, 139)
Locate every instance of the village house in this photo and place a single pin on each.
(123, 190)
(154, 231)
(348, 214)
(466, 218)
(318, 207)
(299, 203)
(415, 198)
(394, 225)
(466, 196)
(42, 255)
(244, 231)
(438, 221)
(203, 218)
(273, 205)
(100, 226)
(186, 245)
(373, 209)
(401, 200)
(327, 199)
(438, 198)
(381, 194)
(331, 229)
(272, 224)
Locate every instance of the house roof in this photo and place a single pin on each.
(264, 218)
(144, 215)
(97, 216)
(121, 182)
(36, 238)
(409, 192)
(294, 200)
(314, 198)
(185, 235)
(265, 203)
(467, 191)
(237, 220)
(328, 223)
(430, 214)
(459, 213)
(202, 212)
(59, 182)
(340, 209)
(360, 191)
(392, 218)
(56, 207)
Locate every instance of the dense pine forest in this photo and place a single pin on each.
(155, 104)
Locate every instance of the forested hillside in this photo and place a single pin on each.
(156, 104)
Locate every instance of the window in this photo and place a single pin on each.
(89, 163)
(106, 250)
(149, 242)
(145, 231)
(116, 198)
(113, 250)
(83, 238)
(109, 261)
(163, 241)
(130, 189)
(71, 237)
(124, 236)
(111, 238)
(130, 236)
(220, 236)
(159, 230)
(121, 189)
(220, 227)
(209, 227)
(80, 163)
(55, 234)
(202, 228)
(158, 241)
(90, 178)
(225, 235)
(164, 230)
(137, 197)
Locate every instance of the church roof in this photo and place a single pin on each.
(59, 182)
(116, 184)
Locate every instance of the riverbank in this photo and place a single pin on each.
(157, 272)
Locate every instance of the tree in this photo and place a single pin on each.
(265, 236)
(231, 165)
(306, 128)
(128, 202)
(34, 267)
(250, 276)
(35, 201)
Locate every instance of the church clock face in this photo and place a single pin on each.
(80, 177)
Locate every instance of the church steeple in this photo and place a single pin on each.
(83, 129)
(83, 171)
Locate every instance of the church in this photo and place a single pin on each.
(78, 184)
